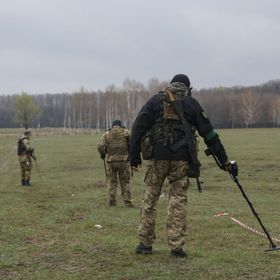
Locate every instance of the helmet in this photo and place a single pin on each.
(116, 122)
(27, 131)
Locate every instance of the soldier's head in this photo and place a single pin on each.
(181, 78)
(27, 132)
(116, 122)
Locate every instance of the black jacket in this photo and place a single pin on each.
(193, 113)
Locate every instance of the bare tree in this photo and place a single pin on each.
(133, 91)
(154, 86)
(275, 111)
(25, 109)
(234, 108)
(250, 108)
(256, 106)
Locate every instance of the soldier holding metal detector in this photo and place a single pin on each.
(164, 132)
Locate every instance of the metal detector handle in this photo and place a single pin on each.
(210, 152)
(233, 171)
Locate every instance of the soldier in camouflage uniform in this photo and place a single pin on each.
(114, 149)
(158, 115)
(25, 151)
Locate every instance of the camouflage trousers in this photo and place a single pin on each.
(25, 169)
(176, 173)
(118, 171)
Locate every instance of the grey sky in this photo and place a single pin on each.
(61, 45)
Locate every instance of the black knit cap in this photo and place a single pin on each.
(117, 122)
(181, 78)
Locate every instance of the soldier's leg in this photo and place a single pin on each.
(155, 175)
(112, 182)
(28, 173)
(22, 171)
(124, 177)
(176, 211)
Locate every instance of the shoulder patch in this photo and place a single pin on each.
(204, 115)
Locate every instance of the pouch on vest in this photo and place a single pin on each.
(117, 147)
(147, 146)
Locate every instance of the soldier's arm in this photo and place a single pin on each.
(127, 136)
(102, 146)
(28, 147)
(143, 122)
(207, 132)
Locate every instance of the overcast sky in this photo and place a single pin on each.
(60, 45)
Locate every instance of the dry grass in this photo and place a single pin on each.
(48, 231)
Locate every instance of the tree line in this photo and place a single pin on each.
(227, 107)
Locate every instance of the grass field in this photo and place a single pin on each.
(48, 231)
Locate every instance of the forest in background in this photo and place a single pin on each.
(234, 107)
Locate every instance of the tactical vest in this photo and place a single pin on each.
(117, 144)
(21, 147)
(167, 129)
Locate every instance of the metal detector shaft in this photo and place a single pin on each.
(105, 169)
(38, 167)
(35, 159)
(198, 183)
(253, 210)
(233, 177)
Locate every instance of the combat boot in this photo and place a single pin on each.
(142, 249)
(28, 183)
(178, 253)
(23, 182)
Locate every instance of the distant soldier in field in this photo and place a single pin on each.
(25, 151)
(113, 149)
(171, 116)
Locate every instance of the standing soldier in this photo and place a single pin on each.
(25, 151)
(114, 147)
(169, 117)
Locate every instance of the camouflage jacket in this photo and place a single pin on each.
(193, 113)
(114, 144)
(24, 149)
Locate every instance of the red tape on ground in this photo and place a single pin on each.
(222, 214)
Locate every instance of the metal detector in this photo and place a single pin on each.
(39, 172)
(233, 172)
